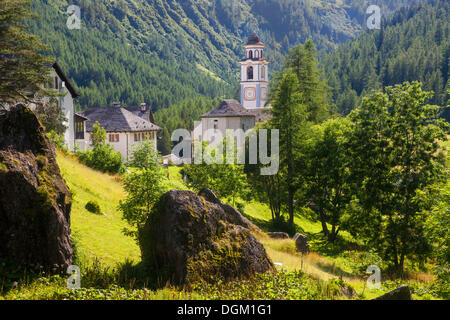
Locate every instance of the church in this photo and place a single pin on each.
(234, 115)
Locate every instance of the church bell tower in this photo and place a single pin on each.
(254, 74)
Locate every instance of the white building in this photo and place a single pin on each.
(65, 100)
(230, 114)
(124, 126)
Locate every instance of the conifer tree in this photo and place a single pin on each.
(23, 65)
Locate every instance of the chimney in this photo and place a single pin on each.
(143, 107)
(116, 104)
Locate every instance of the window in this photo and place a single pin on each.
(137, 137)
(250, 54)
(250, 73)
(256, 54)
(113, 137)
(56, 83)
(216, 124)
(263, 72)
(79, 130)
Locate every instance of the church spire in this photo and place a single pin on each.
(254, 74)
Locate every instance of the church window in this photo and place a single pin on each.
(250, 54)
(250, 73)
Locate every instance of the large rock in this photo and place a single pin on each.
(401, 293)
(301, 243)
(197, 238)
(34, 199)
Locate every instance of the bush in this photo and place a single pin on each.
(442, 284)
(93, 206)
(359, 261)
(103, 158)
(58, 141)
(240, 206)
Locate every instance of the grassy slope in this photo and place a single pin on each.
(97, 236)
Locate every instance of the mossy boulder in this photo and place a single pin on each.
(191, 238)
(34, 199)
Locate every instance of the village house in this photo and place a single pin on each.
(65, 100)
(125, 127)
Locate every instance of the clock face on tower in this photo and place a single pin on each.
(250, 94)
(264, 93)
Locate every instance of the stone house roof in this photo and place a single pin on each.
(117, 119)
(146, 114)
(232, 108)
(66, 80)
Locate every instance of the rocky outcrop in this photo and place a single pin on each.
(401, 293)
(301, 243)
(34, 199)
(195, 238)
(233, 215)
(278, 235)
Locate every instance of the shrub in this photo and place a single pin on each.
(359, 261)
(103, 158)
(93, 206)
(241, 207)
(58, 141)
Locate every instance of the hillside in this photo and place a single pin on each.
(162, 52)
(413, 45)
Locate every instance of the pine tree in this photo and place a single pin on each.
(302, 60)
(23, 67)
(289, 117)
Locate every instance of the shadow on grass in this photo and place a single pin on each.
(128, 275)
(276, 225)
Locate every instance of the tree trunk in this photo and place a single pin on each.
(333, 234)
(325, 230)
(291, 207)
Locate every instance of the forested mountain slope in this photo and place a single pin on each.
(163, 51)
(413, 45)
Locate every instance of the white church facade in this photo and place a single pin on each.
(243, 115)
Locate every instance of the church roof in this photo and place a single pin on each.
(232, 108)
(254, 39)
(116, 119)
(229, 108)
(261, 114)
